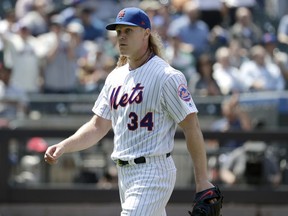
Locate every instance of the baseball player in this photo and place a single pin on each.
(143, 100)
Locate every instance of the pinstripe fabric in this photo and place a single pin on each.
(145, 106)
(156, 85)
(146, 188)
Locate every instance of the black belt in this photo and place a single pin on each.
(138, 160)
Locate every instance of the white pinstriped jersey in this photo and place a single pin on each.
(144, 106)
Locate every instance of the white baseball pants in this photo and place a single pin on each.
(145, 189)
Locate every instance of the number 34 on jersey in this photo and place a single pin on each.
(136, 96)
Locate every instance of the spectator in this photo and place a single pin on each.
(233, 5)
(270, 43)
(234, 118)
(226, 75)
(22, 7)
(61, 51)
(104, 10)
(162, 21)
(275, 9)
(178, 5)
(93, 27)
(219, 37)
(180, 58)
(282, 32)
(225, 16)
(94, 68)
(13, 100)
(110, 45)
(206, 85)
(211, 12)
(258, 74)
(189, 24)
(275, 55)
(238, 54)
(251, 163)
(160, 17)
(21, 54)
(70, 12)
(245, 30)
(151, 8)
(87, 81)
(7, 24)
(37, 18)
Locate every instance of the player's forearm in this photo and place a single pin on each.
(52, 53)
(196, 148)
(283, 38)
(82, 139)
(86, 136)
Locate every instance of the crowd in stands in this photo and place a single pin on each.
(221, 46)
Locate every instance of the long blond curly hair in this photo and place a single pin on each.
(154, 44)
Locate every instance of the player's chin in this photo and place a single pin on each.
(123, 50)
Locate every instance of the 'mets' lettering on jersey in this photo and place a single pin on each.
(136, 96)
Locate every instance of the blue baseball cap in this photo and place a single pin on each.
(131, 16)
(269, 38)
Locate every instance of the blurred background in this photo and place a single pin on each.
(55, 57)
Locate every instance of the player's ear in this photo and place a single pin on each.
(147, 32)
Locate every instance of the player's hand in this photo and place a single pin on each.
(53, 153)
(207, 203)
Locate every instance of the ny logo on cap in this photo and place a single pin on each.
(121, 14)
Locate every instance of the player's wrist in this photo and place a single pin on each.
(203, 185)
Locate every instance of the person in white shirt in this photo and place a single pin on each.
(14, 101)
(60, 50)
(226, 75)
(258, 74)
(21, 55)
